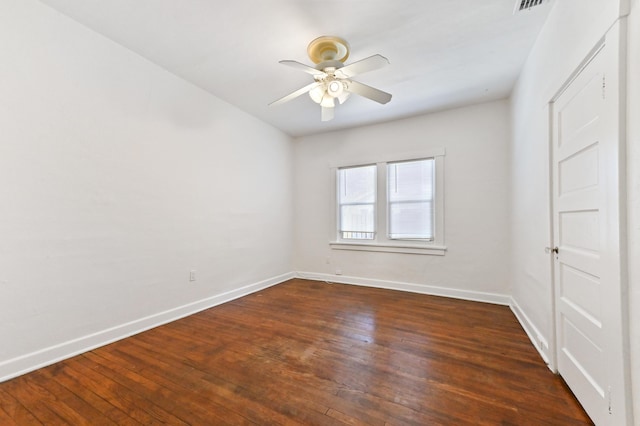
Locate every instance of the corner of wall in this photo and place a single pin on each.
(535, 335)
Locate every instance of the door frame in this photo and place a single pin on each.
(616, 37)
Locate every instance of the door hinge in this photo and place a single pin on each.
(609, 395)
(604, 86)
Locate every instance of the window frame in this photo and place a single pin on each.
(381, 241)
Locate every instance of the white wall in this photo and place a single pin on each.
(476, 203)
(116, 179)
(633, 170)
(113, 185)
(572, 29)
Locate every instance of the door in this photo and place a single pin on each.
(588, 284)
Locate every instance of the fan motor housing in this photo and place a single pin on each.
(329, 66)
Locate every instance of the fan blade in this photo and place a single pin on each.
(368, 92)
(303, 67)
(295, 94)
(327, 114)
(368, 64)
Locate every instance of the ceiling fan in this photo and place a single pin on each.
(333, 78)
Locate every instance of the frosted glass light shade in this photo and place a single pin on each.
(328, 101)
(317, 93)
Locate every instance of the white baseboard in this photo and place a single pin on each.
(536, 337)
(476, 296)
(32, 361)
(47, 356)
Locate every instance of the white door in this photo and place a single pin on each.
(587, 227)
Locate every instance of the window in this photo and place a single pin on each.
(394, 206)
(410, 199)
(356, 200)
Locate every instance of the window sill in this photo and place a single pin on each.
(432, 250)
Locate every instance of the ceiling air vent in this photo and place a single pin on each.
(522, 5)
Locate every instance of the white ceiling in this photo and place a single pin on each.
(443, 53)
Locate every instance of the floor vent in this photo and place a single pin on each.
(522, 5)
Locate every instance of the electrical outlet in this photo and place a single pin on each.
(192, 275)
(338, 271)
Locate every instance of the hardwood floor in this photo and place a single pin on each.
(307, 353)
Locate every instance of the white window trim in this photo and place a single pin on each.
(382, 243)
(389, 248)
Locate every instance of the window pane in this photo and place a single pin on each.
(410, 180)
(411, 220)
(357, 185)
(356, 198)
(410, 192)
(357, 221)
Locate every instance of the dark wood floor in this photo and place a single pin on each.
(307, 353)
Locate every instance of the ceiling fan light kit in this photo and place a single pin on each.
(333, 78)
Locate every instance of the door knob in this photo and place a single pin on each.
(550, 250)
